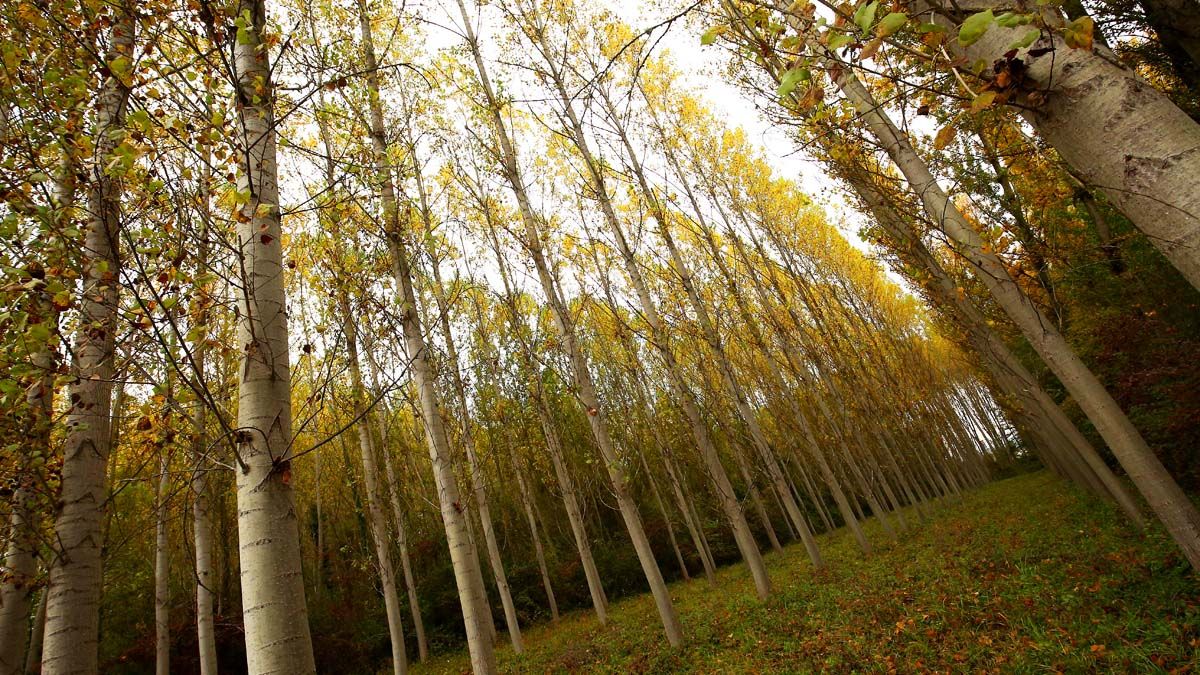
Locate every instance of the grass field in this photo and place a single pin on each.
(1025, 575)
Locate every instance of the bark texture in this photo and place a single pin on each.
(273, 609)
(1121, 135)
(72, 629)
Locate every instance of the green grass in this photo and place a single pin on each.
(1025, 575)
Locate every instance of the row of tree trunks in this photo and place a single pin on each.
(585, 388)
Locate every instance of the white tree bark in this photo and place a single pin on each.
(19, 567)
(554, 447)
(162, 573)
(469, 581)
(751, 323)
(393, 484)
(708, 329)
(1120, 134)
(730, 505)
(273, 609)
(454, 516)
(410, 584)
(478, 484)
(206, 639)
(202, 535)
(73, 603)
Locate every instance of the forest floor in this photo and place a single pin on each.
(1023, 575)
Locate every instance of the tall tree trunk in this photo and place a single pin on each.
(71, 643)
(756, 498)
(375, 513)
(597, 417)
(478, 483)
(33, 656)
(995, 355)
(662, 510)
(1120, 134)
(872, 198)
(410, 585)
(1161, 491)
(472, 595)
(794, 366)
(18, 567)
(818, 501)
(162, 572)
(273, 609)
(694, 526)
(201, 504)
(393, 485)
(734, 513)
(566, 484)
(202, 534)
(535, 535)
(637, 378)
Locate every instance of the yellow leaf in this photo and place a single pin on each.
(1078, 33)
(983, 101)
(944, 136)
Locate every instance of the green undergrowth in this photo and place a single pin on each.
(1024, 575)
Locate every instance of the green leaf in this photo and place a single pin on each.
(140, 118)
(710, 35)
(983, 101)
(119, 66)
(10, 388)
(839, 40)
(39, 333)
(1012, 19)
(1027, 39)
(931, 28)
(794, 76)
(974, 27)
(865, 15)
(891, 23)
